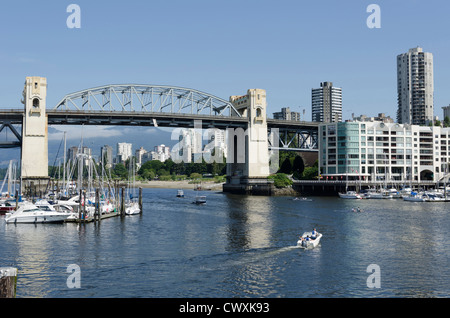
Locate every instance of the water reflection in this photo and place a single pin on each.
(249, 222)
(34, 254)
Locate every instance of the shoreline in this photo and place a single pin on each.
(184, 184)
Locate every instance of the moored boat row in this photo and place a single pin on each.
(435, 195)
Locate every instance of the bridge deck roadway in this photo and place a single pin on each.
(63, 117)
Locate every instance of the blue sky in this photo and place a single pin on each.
(224, 48)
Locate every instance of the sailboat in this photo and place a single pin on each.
(348, 194)
(132, 206)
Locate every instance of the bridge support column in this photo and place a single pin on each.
(34, 157)
(248, 151)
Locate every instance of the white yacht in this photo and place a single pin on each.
(30, 213)
(46, 206)
(349, 195)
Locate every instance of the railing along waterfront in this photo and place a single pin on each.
(370, 183)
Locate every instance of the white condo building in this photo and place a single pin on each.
(124, 151)
(415, 87)
(383, 151)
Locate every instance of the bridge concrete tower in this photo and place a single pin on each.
(34, 157)
(248, 151)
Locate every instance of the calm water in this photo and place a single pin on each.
(238, 246)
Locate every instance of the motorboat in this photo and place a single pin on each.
(30, 213)
(63, 208)
(415, 197)
(349, 195)
(307, 240)
(7, 206)
(74, 201)
(132, 208)
(200, 199)
(394, 193)
(180, 194)
(379, 195)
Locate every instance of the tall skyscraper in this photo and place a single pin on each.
(106, 158)
(327, 103)
(123, 151)
(415, 87)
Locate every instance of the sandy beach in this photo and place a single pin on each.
(179, 185)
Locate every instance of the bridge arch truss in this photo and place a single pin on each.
(147, 98)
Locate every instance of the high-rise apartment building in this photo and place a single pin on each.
(286, 114)
(106, 153)
(327, 103)
(446, 111)
(123, 151)
(415, 87)
(377, 151)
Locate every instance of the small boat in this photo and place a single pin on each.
(306, 240)
(7, 206)
(302, 199)
(132, 208)
(30, 213)
(180, 194)
(415, 197)
(200, 199)
(379, 195)
(349, 195)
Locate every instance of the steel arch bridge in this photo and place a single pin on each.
(147, 99)
(159, 106)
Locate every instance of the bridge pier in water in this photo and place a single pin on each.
(34, 153)
(248, 151)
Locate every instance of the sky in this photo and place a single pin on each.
(224, 48)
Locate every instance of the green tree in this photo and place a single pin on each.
(298, 167)
(281, 180)
(163, 172)
(446, 121)
(195, 175)
(120, 171)
(286, 166)
(148, 174)
(311, 173)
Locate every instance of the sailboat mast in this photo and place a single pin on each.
(64, 166)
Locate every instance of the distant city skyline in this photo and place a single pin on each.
(285, 55)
